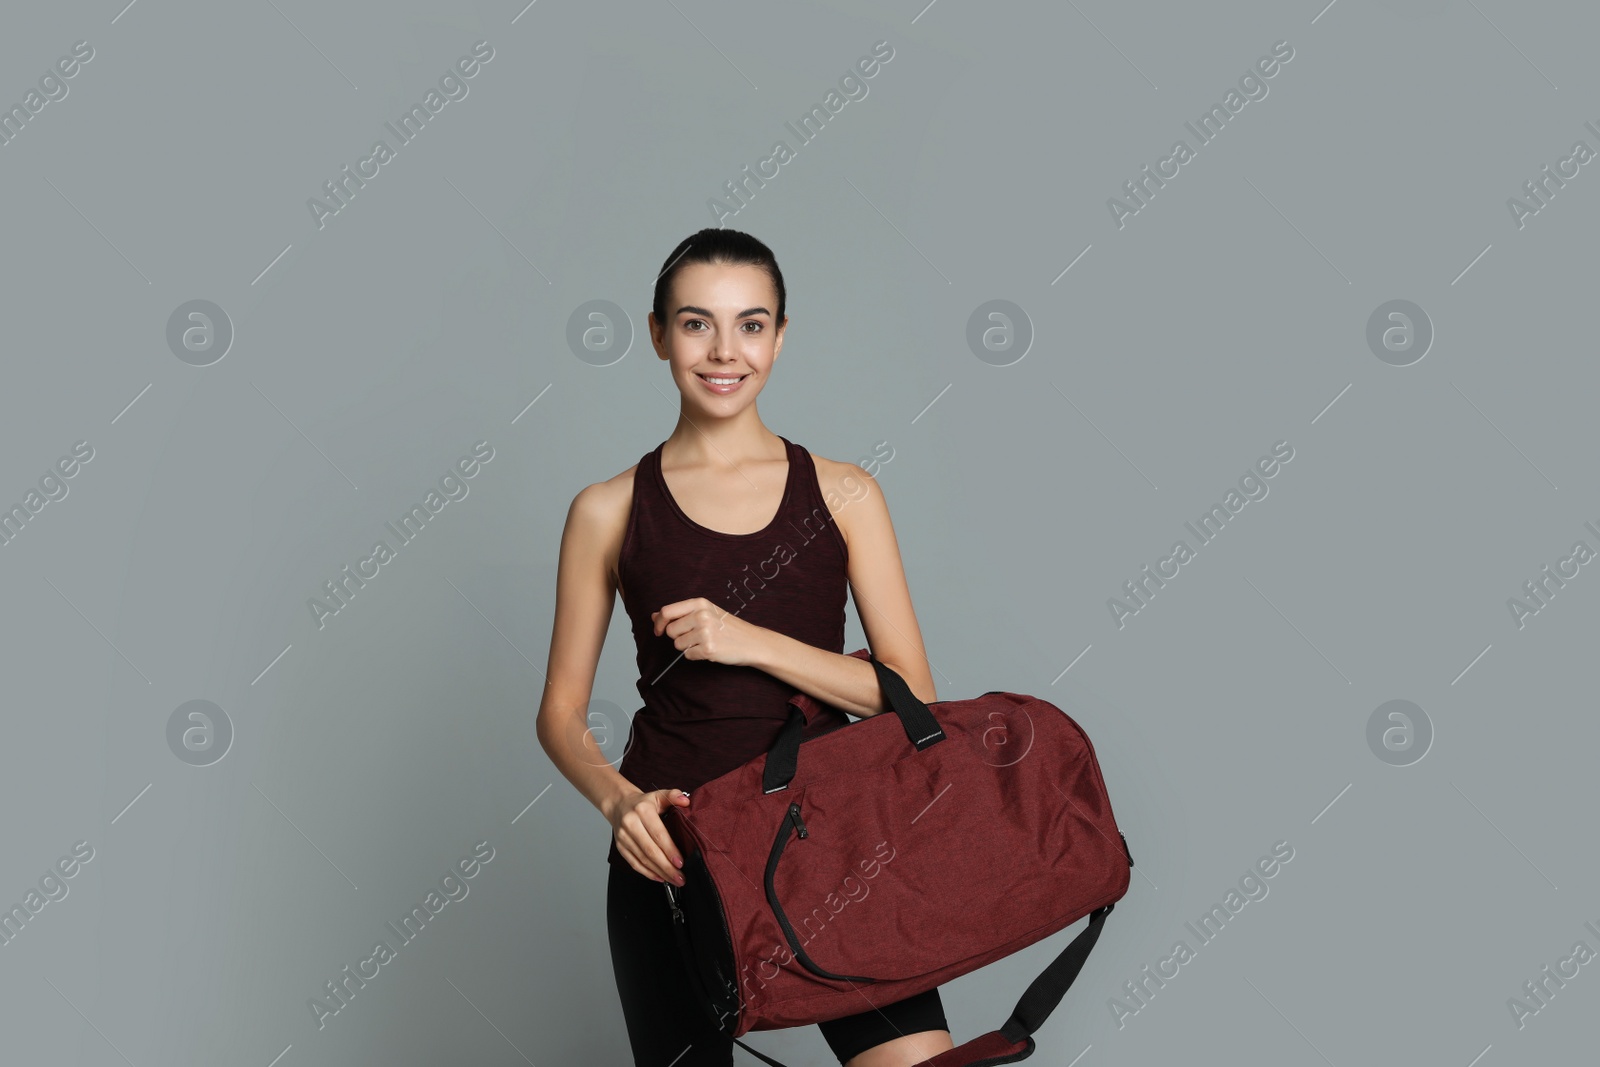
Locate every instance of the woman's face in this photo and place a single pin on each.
(720, 325)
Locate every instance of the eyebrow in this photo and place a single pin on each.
(746, 313)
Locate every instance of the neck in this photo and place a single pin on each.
(700, 440)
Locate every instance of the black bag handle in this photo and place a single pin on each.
(922, 729)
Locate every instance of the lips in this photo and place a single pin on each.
(725, 387)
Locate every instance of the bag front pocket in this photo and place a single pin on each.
(923, 862)
(793, 826)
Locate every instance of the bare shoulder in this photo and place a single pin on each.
(837, 477)
(598, 516)
(844, 483)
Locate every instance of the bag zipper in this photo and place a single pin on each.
(793, 823)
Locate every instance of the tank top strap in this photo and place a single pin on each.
(807, 510)
(645, 505)
(807, 493)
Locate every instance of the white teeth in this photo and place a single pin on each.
(721, 381)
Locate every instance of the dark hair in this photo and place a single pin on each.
(717, 245)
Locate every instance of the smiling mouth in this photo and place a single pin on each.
(722, 379)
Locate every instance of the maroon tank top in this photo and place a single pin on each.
(702, 719)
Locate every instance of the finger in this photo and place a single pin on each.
(663, 840)
(677, 612)
(642, 827)
(686, 632)
(684, 625)
(671, 611)
(657, 861)
(690, 640)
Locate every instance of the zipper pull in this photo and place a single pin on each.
(799, 823)
(672, 901)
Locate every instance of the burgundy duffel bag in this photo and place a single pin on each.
(892, 854)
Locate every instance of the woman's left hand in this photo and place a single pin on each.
(703, 630)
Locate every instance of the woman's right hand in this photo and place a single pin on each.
(642, 837)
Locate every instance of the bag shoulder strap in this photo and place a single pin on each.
(757, 1055)
(1014, 1040)
(1046, 992)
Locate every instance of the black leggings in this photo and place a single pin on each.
(666, 1027)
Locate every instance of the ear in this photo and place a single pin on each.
(655, 336)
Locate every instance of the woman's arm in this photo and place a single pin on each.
(585, 593)
(883, 600)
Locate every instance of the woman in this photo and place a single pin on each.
(732, 566)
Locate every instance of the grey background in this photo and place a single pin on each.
(370, 354)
